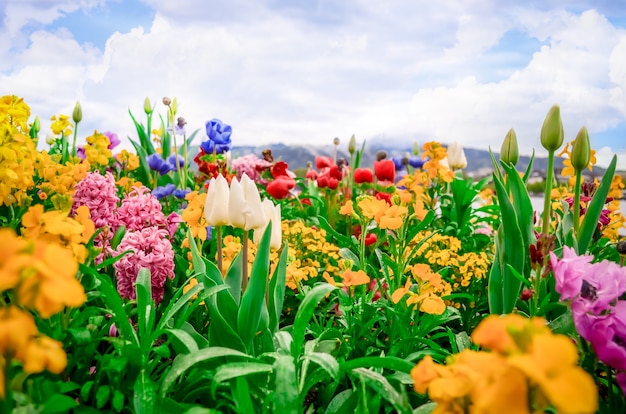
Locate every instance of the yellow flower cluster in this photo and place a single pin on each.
(20, 340)
(390, 217)
(618, 221)
(568, 168)
(193, 214)
(58, 180)
(435, 169)
(529, 370)
(97, 150)
(471, 266)
(17, 151)
(437, 249)
(429, 289)
(61, 125)
(128, 160)
(56, 227)
(310, 255)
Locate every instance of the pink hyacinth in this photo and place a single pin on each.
(99, 193)
(252, 166)
(152, 250)
(141, 209)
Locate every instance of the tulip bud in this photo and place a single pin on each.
(167, 101)
(509, 152)
(416, 148)
(352, 145)
(456, 156)
(175, 106)
(381, 155)
(552, 129)
(581, 150)
(77, 115)
(147, 106)
(245, 210)
(272, 212)
(36, 126)
(50, 139)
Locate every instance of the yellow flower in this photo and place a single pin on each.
(61, 125)
(347, 209)
(97, 150)
(128, 160)
(551, 364)
(392, 217)
(44, 353)
(193, 214)
(371, 207)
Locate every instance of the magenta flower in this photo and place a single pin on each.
(602, 285)
(152, 250)
(621, 381)
(99, 194)
(141, 209)
(569, 272)
(606, 333)
(252, 166)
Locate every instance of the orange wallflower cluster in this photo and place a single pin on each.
(529, 370)
(389, 217)
(424, 289)
(56, 180)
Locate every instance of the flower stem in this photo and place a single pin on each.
(244, 259)
(219, 248)
(74, 140)
(548, 192)
(577, 203)
(180, 178)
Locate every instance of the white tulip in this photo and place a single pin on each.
(272, 212)
(456, 156)
(237, 204)
(216, 206)
(254, 214)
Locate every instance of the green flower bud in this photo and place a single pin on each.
(352, 144)
(552, 130)
(36, 125)
(581, 150)
(510, 151)
(147, 106)
(175, 106)
(77, 115)
(416, 148)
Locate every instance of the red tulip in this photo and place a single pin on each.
(370, 239)
(333, 183)
(322, 181)
(280, 169)
(335, 172)
(280, 187)
(363, 175)
(311, 175)
(385, 170)
(384, 196)
(323, 162)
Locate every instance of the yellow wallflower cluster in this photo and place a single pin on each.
(435, 169)
(424, 289)
(617, 219)
(471, 266)
(61, 125)
(20, 340)
(437, 249)
(529, 370)
(568, 168)
(57, 227)
(97, 150)
(128, 161)
(310, 255)
(389, 217)
(17, 151)
(193, 214)
(58, 180)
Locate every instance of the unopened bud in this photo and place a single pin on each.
(381, 155)
(552, 129)
(36, 125)
(147, 106)
(167, 101)
(181, 121)
(336, 141)
(581, 150)
(416, 148)
(621, 247)
(352, 145)
(510, 150)
(77, 115)
(456, 156)
(175, 106)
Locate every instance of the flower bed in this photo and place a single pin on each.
(165, 281)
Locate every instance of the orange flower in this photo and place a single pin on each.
(351, 278)
(392, 217)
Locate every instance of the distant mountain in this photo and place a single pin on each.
(479, 162)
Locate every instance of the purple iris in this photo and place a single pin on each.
(218, 132)
(181, 193)
(161, 192)
(397, 161)
(171, 160)
(210, 146)
(157, 163)
(416, 162)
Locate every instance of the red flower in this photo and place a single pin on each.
(385, 170)
(333, 183)
(370, 239)
(311, 175)
(384, 196)
(280, 169)
(322, 181)
(363, 175)
(335, 172)
(323, 162)
(280, 187)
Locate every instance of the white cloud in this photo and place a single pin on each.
(307, 72)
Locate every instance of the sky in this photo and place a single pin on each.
(304, 72)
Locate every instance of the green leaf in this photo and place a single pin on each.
(594, 209)
(326, 361)
(348, 254)
(183, 362)
(102, 396)
(388, 362)
(231, 370)
(253, 298)
(144, 397)
(382, 387)
(181, 339)
(176, 306)
(241, 395)
(145, 309)
(286, 397)
(343, 403)
(276, 294)
(233, 278)
(59, 403)
(305, 313)
(330, 230)
(425, 408)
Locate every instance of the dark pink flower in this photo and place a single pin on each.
(152, 250)
(141, 209)
(569, 271)
(99, 193)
